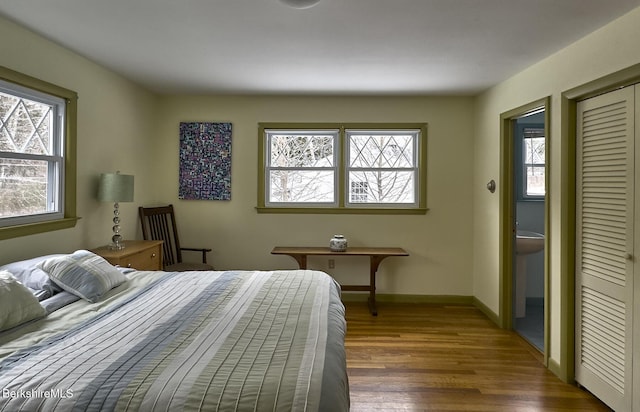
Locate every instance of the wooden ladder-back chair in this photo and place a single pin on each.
(159, 223)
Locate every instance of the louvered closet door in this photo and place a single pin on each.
(604, 264)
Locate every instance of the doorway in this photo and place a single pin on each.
(529, 160)
(524, 223)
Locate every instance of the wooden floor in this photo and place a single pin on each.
(421, 357)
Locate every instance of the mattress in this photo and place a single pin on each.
(193, 341)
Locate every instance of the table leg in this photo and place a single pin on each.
(301, 259)
(375, 262)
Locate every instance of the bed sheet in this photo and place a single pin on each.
(225, 340)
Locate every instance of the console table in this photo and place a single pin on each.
(375, 254)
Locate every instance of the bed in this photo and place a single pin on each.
(81, 335)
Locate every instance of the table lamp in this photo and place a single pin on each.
(114, 187)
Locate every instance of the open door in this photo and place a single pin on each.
(510, 171)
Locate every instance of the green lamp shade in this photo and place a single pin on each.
(115, 187)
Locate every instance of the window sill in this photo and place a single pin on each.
(343, 210)
(531, 199)
(34, 228)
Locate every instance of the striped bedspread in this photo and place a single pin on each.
(193, 341)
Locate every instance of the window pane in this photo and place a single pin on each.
(298, 150)
(381, 187)
(381, 151)
(23, 184)
(535, 181)
(534, 161)
(299, 186)
(25, 126)
(534, 150)
(359, 192)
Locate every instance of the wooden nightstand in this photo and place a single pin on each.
(137, 254)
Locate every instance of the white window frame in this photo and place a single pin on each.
(55, 160)
(415, 169)
(64, 217)
(525, 165)
(343, 203)
(269, 168)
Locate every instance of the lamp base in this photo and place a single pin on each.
(116, 246)
(116, 239)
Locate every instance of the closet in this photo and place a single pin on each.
(607, 242)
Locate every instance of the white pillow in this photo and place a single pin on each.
(33, 277)
(84, 274)
(17, 304)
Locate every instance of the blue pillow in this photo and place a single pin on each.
(84, 274)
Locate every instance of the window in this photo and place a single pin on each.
(37, 168)
(383, 167)
(335, 168)
(533, 147)
(301, 167)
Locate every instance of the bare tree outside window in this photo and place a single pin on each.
(302, 167)
(534, 162)
(385, 163)
(28, 156)
(343, 167)
(37, 155)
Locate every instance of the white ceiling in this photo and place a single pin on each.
(336, 47)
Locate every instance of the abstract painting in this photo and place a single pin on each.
(205, 161)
